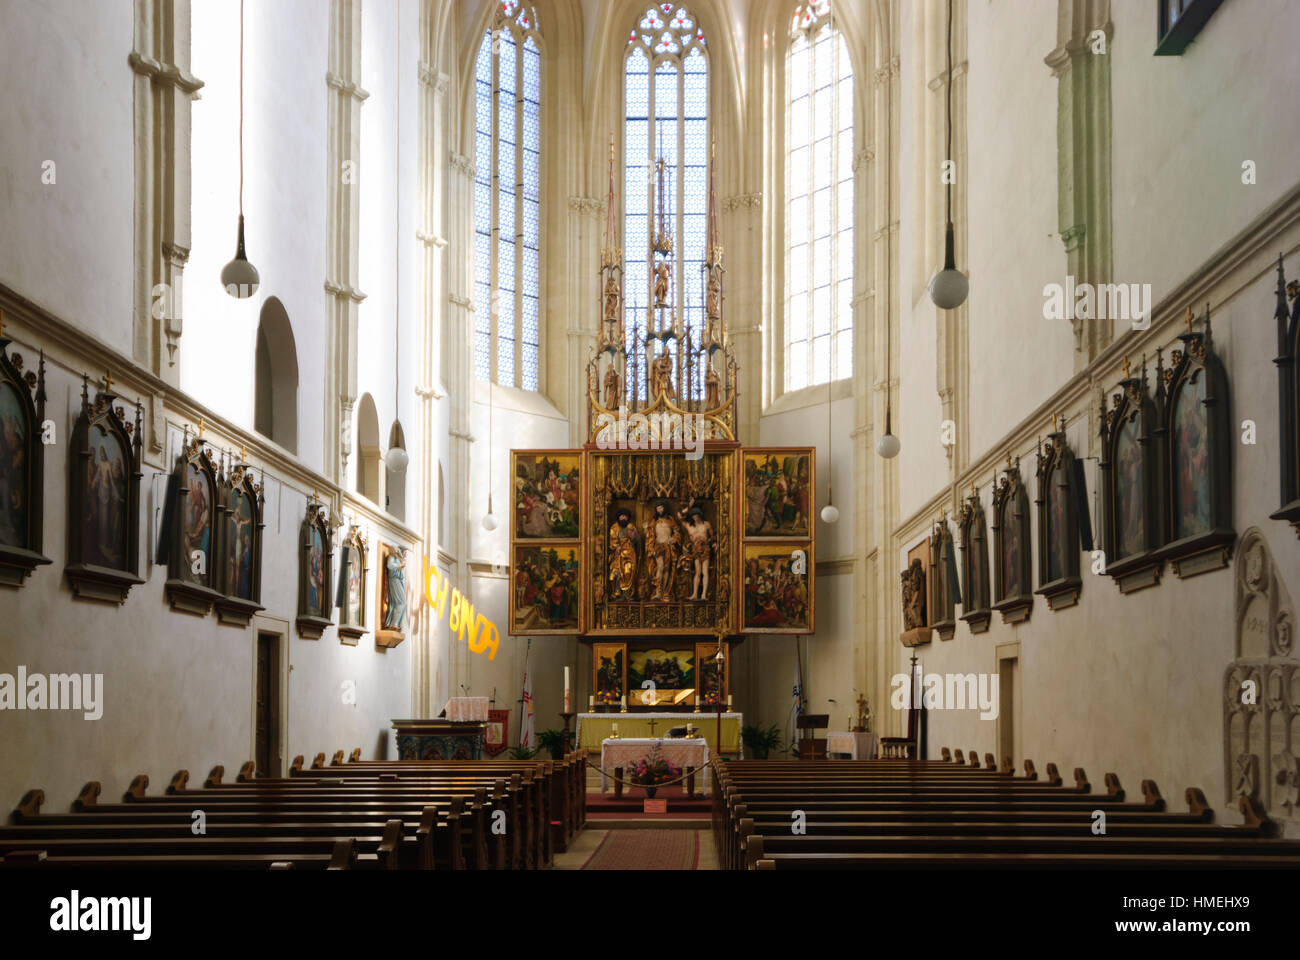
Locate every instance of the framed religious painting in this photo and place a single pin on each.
(22, 466)
(188, 546)
(778, 491)
(609, 674)
(239, 545)
(711, 689)
(945, 589)
(1131, 535)
(315, 561)
(1193, 396)
(547, 494)
(391, 595)
(975, 597)
(104, 499)
(660, 676)
(777, 584)
(352, 587)
(1288, 385)
(546, 589)
(1058, 523)
(1012, 579)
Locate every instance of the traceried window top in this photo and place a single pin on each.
(818, 201)
(666, 113)
(667, 28)
(507, 199)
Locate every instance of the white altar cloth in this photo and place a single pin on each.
(859, 746)
(682, 752)
(467, 709)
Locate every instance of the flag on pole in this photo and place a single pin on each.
(526, 718)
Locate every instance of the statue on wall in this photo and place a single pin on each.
(914, 595)
(713, 308)
(661, 376)
(610, 312)
(864, 716)
(613, 389)
(699, 546)
(665, 540)
(395, 572)
(624, 543)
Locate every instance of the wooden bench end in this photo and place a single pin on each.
(296, 765)
(247, 772)
(1113, 788)
(1197, 804)
(180, 779)
(319, 761)
(1151, 794)
(214, 776)
(29, 805)
(86, 798)
(137, 788)
(1081, 780)
(355, 756)
(1030, 772)
(945, 755)
(337, 759)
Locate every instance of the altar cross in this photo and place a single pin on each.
(653, 723)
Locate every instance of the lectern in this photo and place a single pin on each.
(811, 747)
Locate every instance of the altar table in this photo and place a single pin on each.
(680, 751)
(859, 746)
(593, 728)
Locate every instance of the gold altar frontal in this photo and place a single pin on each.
(594, 728)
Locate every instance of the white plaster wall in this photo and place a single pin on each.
(68, 99)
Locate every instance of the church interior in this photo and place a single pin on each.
(718, 412)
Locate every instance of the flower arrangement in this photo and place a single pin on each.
(653, 770)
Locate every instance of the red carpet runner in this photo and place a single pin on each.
(646, 850)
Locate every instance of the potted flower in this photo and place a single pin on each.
(652, 770)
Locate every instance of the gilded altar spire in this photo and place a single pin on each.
(713, 254)
(609, 255)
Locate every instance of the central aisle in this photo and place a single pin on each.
(639, 849)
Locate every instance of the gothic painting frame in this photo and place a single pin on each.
(943, 598)
(190, 530)
(536, 570)
(1058, 524)
(790, 473)
(976, 609)
(765, 559)
(315, 567)
(1130, 469)
(104, 499)
(608, 664)
(240, 524)
(1198, 454)
(391, 565)
(22, 466)
(351, 599)
(534, 501)
(1013, 546)
(1288, 391)
(705, 664)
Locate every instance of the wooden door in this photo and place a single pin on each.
(266, 723)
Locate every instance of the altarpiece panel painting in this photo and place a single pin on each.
(22, 466)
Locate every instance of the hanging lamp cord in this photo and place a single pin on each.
(241, 109)
(397, 226)
(948, 148)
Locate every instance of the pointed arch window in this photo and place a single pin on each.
(507, 198)
(666, 113)
(818, 200)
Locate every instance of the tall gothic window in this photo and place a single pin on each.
(507, 102)
(666, 104)
(819, 201)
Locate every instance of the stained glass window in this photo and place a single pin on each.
(507, 199)
(819, 201)
(666, 113)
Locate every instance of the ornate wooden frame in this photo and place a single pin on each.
(91, 580)
(705, 651)
(17, 561)
(1132, 403)
(1011, 504)
(355, 549)
(1288, 394)
(517, 549)
(788, 546)
(232, 608)
(1197, 361)
(187, 595)
(603, 649)
(976, 604)
(942, 604)
(312, 622)
(1054, 470)
(386, 637)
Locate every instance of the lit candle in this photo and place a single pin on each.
(591, 703)
(622, 701)
(566, 691)
(728, 701)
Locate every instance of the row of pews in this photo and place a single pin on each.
(959, 813)
(381, 815)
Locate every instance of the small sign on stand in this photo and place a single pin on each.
(654, 806)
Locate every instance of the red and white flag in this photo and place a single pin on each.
(526, 714)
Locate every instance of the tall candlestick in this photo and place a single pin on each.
(591, 703)
(728, 701)
(567, 692)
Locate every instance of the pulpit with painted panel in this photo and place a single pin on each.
(439, 739)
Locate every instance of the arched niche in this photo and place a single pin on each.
(1261, 687)
(275, 392)
(368, 461)
(395, 480)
